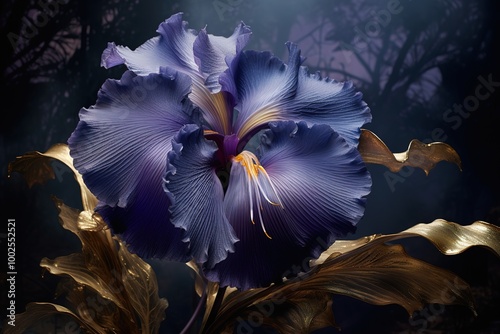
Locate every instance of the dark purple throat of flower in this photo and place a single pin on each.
(259, 185)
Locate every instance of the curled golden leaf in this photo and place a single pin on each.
(449, 238)
(379, 275)
(119, 284)
(200, 282)
(211, 289)
(425, 156)
(38, 167)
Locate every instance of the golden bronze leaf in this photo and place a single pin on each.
(98, 263)
(200, 282)
(370, 270)
(202, 285)
(383, 275)
(300, 312)
(109, 288)
(139, 281)
(95, 311)
(75, 266)
(424, 156)
(379, 275)
(211, 289)
(38, 167)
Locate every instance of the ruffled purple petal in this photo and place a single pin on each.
(120, 147)
(338, 104)
(173, 49)
(197, 197)
(321, 182)
(269, 90)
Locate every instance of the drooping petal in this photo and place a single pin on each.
(197, 197)
(321, 182)
(269, 90)
(120, 147)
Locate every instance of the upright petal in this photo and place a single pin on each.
(269, 90)
(120, 147)
(265, 85)
(197, 197)
(321, 182)
(214, 53)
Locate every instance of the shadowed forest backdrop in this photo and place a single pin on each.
(428, 69)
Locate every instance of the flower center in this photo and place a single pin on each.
(259, 186)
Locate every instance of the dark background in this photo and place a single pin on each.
(412, 66)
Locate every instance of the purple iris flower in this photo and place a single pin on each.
(232, 158)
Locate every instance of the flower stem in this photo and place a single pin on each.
(215, 308)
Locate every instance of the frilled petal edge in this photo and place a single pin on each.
(197, 197)
(129, 129)
(120, 147)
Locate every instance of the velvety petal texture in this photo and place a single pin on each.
(321, 182)
(269, 90)
(197, 197)
(120, 147)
